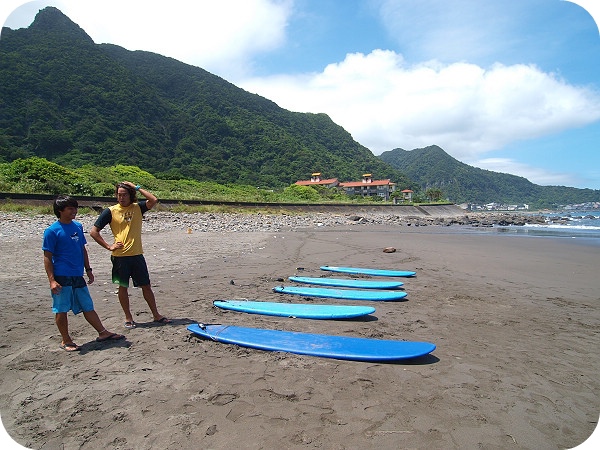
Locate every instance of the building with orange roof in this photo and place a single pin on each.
(369, 187)
(407, 195)
(316, 179)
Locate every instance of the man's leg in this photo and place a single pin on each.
(124, 300)
(94, 320)
(151, 300)
(63, 327)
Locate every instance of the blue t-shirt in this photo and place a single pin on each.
(65, 242)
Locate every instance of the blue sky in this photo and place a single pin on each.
(511, 86)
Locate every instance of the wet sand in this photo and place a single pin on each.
(515, 320)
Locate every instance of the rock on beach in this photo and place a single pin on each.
(15, 224)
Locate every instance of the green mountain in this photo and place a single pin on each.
(73, 102)
(432, 168)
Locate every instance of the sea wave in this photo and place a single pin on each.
(570, 226)
(584, 233)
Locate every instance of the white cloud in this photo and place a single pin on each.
(533, 174)
(463, 108)
(221, 36)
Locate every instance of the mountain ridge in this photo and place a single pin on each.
(432, 168)
(75, 102)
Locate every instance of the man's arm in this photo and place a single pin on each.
(86, 265)
(151, 199)
(95, 235)
(54, 286)
(103, 220)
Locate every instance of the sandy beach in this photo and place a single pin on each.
(515, 320)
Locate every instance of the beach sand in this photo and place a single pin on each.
(515, 320)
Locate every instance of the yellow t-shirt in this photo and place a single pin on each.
(126, 226)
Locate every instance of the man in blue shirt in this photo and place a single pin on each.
(65, 257)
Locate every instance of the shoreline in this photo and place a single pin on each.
(514, 320)
(445, 220)
(444, 216)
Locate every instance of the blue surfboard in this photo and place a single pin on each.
(345, 294)
(327, 346)
(374, 272)
(299, 310)
(348, 283)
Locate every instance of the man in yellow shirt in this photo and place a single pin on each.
(125, 219)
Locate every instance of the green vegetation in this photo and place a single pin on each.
(12, 207)
(77, 117)
(73, 102)
(434, 194)
(441, 176)
(40, 176)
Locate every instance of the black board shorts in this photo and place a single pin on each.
(126, 267)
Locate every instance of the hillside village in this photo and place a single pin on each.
(367, 187)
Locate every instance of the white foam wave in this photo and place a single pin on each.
(563, 227)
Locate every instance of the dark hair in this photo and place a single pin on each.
(132, 192)
(61, 202)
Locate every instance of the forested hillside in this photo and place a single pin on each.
(71, 101)
(80, 104)
(432, 168)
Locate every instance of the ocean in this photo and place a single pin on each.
(583, 226)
